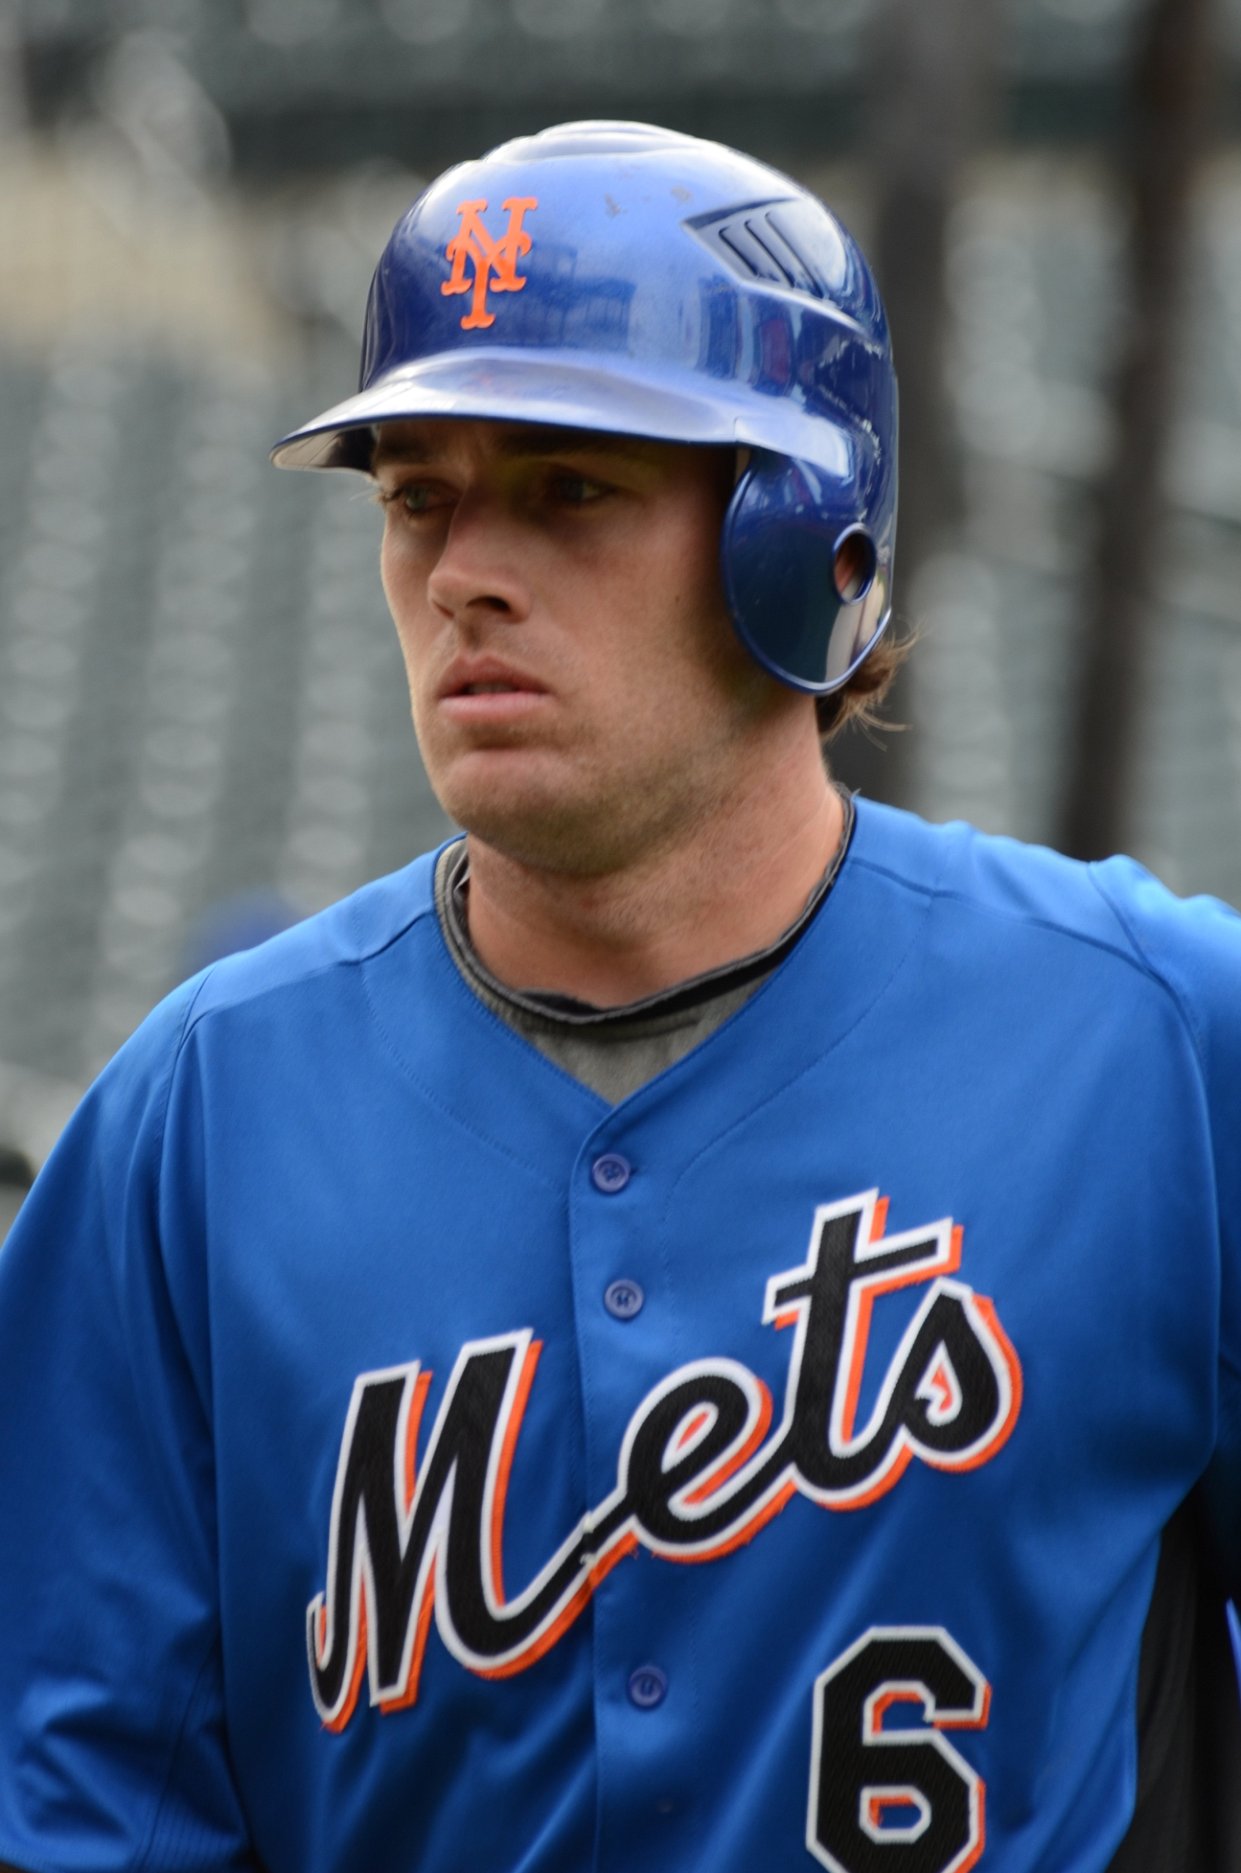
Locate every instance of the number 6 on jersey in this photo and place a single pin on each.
(898, 1798)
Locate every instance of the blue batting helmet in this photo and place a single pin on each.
(614, 276)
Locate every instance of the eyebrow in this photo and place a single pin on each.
(528, 441)
(544, 440)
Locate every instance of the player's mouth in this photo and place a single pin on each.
(484, 690)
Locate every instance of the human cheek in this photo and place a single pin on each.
(396, 571)
(404, 588)
(404, 567)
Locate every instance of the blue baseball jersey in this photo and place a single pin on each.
(410, 1461)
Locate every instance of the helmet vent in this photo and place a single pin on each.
(757, 240)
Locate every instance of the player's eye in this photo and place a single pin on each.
(412, 499)
(573, 489)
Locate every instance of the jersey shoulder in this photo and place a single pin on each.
(337, 939)
(302, 961)
(1188, 947)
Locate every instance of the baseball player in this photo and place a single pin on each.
(698, 1327)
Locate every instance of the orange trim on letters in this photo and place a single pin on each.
(905, 1694)
(886, 1480)
(759, 1520)
(977, 1854)
(869, 1290)
(338, 1722)
(969, 1723)
(422, 1385)
(1004, 1429)
(716, 1479)
(690, 1427)
(409, 1695)
(877, 1803)
(942, 1386)
(511, 1429)
(544, 1641)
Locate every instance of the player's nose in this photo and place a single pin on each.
(478, 572)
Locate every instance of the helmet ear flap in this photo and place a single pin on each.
(807, 583)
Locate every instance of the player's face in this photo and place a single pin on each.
(578, 693)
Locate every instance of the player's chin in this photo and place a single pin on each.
(456, 756)
(499, 779)
(534, 811)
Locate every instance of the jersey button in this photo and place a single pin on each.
(623, 1299)
(610, 1173)
(648, 1687)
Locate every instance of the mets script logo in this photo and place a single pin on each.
(700, 1469)
(494, 262)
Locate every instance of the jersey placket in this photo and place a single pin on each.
(629, 1331)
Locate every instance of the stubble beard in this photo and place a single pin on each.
(594, 824)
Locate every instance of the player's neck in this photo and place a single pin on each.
(728, 891)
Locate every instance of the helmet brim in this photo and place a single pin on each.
(562, 391)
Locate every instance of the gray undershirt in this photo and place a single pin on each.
(614, 1051)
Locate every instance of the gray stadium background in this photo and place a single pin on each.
(201, 704)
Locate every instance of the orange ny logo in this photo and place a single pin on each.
(494, 262)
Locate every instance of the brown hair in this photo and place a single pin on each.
(863, 696)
